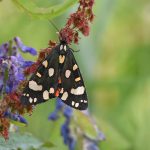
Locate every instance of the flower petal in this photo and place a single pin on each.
(23, 47)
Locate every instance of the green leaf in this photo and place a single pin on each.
(47, 144)
(85, 124)
(17, 123)
(49, 12)
(20, 141)
(80, 142)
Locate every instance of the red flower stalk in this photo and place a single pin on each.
(4, 122)
(4, 127)
(78, 22)
(12, 102)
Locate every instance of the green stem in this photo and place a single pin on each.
(48, 13)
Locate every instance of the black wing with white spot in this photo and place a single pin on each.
(73, 92)
(43, 83)
(57, 76)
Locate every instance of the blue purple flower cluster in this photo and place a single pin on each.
(66, 131)
(12, 66)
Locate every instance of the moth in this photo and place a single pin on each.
(57, 76)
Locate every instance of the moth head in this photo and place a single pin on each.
(63, 46)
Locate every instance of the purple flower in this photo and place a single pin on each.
(65, 128)
(67, 136)
(12, 65)
(90, 144)
(15, 117)
(54, 115)
(4, 49)
(68, 112)
(67, 132)
(23, 47)
(59, 104)
(101, 136)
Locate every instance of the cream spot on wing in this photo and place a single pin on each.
(45, 63)
(64, 96)
(85, 101)
(30, 100)
(81, 101)
(65, 48)
(51, 91)
(75, 67)
(78, 91)
(61, 47)
(62, 90)
(38, 74)
(67, 73)
(45, 95)
(61, 59)
(72, 91)
(51, 72)
(77, 105)
(27, 95)
(77, 79)
(24, 94)
(35, 100)
(34, 86)
(73, 103)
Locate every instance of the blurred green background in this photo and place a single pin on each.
(114, 61)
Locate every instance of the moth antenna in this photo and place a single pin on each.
(53, 24)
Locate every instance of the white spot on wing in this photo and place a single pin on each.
(77, 105)
(64, 96)
(45, 63)
(27, 95)
(65, 48)
(73, 103)
(67, 73)
(30, 100)
(51, 72)
(62, 90)
(45, 95)
(75, 67)
(85, 101)
(61, 47)
(72, 91)
(34, 86)
(35, 100)
(78, 91)
(38, 74)
(51, 91)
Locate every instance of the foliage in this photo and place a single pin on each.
(25, 141)
(48, 12)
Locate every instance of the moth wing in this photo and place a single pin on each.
(73, 92)
(43, 83)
